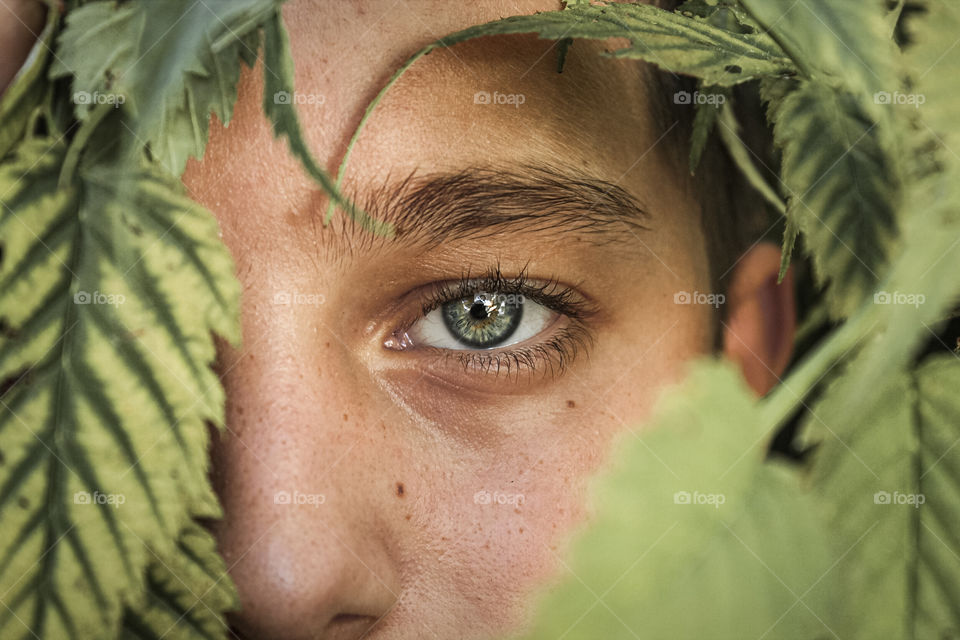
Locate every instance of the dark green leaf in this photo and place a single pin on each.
(172, 65)
(842, 188)
(282, 111)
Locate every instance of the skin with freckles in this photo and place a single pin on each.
(431, 496)
(377, 483)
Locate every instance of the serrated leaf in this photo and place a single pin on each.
(842, 188)
(934, 64)
(726, 14)
(920, 291)
(107, 303)
(174, 63)
(921, 287)
(743, 157)
(668, 40)
(187, 592)
(790, 232)
(690, 532)
(844, 44)
(888, 477)
(703, 124)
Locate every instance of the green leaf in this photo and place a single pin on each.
(691, 529)
(934, 65)
(704, 122)
(842, 188)
(888, 478)
(743, 157)
(726, 14)
(790, 232)
(173, 64)
(282, 111)
(668, 40)
(186, 593)
(107, 304)
(921, 289)
(844, 44)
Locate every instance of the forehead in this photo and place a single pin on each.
(595, 118)
(487, 101)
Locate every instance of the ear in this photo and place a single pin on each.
(761, 317)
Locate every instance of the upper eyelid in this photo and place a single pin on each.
(556, 353)
(550, 292)
(492, 280)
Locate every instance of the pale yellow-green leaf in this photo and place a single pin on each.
(108, 301)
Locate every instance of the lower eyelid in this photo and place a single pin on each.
(549, 356)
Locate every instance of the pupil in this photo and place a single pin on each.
(481, 320)
(478, 311)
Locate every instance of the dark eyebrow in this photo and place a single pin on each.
(481, 202)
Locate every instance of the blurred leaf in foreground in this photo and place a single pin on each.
(696, 534)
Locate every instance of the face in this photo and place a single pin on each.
(412, 420)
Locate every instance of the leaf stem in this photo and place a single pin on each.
(341, 171)
(79, 143)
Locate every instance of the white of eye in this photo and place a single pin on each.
(432, 331)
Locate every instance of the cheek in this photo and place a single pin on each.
(508, 553)
(503, 523)
(511, 482)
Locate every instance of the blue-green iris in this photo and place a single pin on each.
(482, 320)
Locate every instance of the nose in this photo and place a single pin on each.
(302, 532)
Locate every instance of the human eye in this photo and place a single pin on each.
(499, 324)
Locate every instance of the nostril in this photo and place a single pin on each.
(349, 617)
(343, 625)
(351, 625)
(236, 634)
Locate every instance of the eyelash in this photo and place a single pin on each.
(555, 353)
